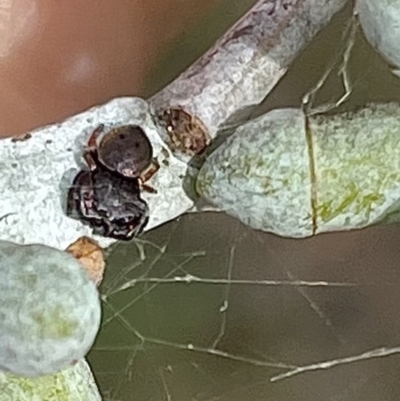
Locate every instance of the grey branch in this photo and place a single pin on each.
(248, 61)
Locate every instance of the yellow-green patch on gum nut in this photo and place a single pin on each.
(261, 175)
(73, 384)
(49, 310)
(357, 167)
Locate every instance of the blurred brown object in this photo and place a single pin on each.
(91, 256)
(59, 58)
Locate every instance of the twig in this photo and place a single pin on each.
(376, 353)
(248, 61)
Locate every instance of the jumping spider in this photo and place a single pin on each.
(109, 203)
(125, 150)
(108, 196)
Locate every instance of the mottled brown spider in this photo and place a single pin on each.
(125, 150)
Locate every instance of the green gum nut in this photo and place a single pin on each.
(283, 174)
(380, 21)
(49, 310)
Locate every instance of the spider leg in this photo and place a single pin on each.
(91, 149)
(147, 175)
(93, 137)
(150, 171)
(147, 188)
(90, 160)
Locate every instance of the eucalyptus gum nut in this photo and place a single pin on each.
(49, 310)
(380, 21)
(342, 173)
(261, 175)
(357, 167)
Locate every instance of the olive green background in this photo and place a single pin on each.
(142, 351)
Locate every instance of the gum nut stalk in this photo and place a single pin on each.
(49, 310)
(341, 172)
(380, 21)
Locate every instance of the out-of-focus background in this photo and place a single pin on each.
(59, 58)
(226, 334)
